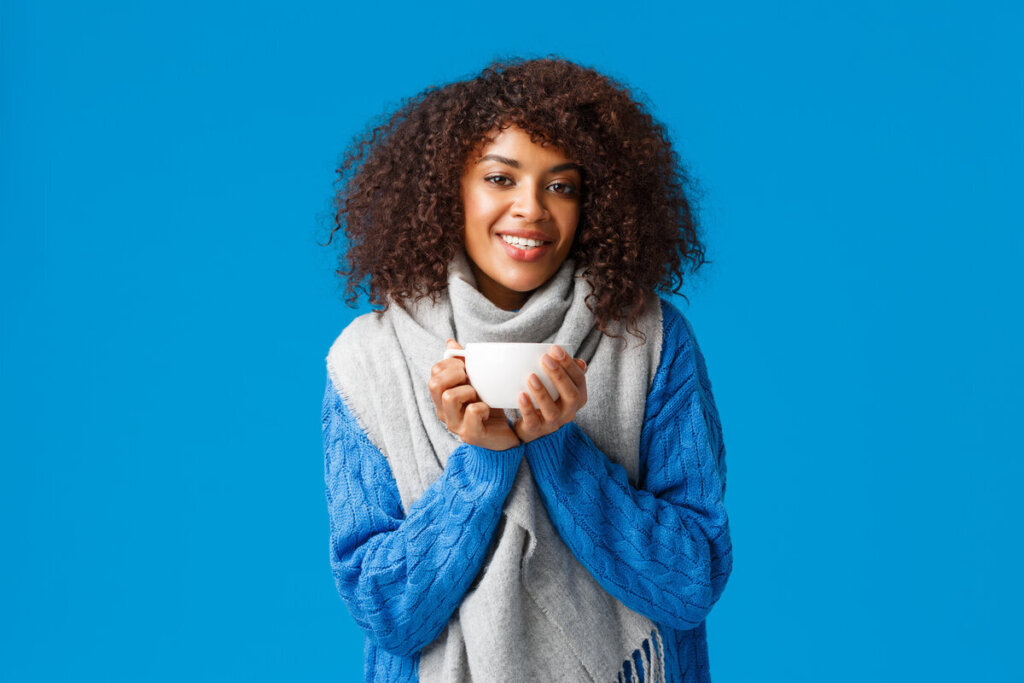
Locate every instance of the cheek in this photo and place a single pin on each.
(568, 219)
(480, 208)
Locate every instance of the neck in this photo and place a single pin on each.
(504, 298)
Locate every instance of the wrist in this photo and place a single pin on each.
(530, 438)
(494, 466)
(495, 445)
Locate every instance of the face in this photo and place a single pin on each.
(515, 190)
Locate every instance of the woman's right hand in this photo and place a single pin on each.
(461, 410)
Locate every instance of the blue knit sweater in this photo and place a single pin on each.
(663, 549)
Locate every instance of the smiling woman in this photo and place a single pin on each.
(577, 538)
(522, 206)
(402, 183)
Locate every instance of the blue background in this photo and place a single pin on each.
(166, 175)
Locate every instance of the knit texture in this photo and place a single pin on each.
(662, 548)
(536, 613)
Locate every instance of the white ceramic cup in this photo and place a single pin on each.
(499, 370)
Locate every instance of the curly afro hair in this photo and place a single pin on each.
(399, 201)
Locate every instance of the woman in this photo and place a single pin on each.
(586, 538)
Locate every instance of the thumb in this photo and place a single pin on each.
(452, 344)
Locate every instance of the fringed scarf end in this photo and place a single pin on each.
(647, 664)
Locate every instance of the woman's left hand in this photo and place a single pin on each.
(568, 376)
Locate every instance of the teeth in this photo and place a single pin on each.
(521, 242)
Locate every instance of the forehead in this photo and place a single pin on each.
(515, 143)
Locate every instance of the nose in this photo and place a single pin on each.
(528, 205)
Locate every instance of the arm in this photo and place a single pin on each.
(663, 549)
(403, 576)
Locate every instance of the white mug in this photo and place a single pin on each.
(499, 370)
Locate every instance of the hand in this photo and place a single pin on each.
(569, 378)
(461, 410)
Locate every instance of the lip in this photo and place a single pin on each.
(527, 234)
(526, 255)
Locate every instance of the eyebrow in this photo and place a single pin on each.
(515, 164)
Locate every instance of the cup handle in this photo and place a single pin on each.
(449, 353)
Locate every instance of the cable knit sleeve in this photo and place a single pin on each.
(662, 549)
(403, 576)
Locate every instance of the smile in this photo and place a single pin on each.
(522, 242)
(524, 250)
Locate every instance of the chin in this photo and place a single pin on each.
(523, 286)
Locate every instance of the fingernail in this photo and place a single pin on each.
(557, 352)
(534, 382)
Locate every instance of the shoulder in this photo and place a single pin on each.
(358, 333)
(672, 320)
(677, 334)
(349, 359)
(682, 364)
(355, 341)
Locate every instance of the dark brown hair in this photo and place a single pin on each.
(399, 199)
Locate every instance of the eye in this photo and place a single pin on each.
(496, 179)
(564, 188)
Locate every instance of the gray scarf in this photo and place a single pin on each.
(533, 612)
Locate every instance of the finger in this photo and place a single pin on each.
(452, 402)
(454, 373)
(441, 365)
(548, 410)
(435, 387)
(531, 419)
(453, 363)
(580, 379)
(450, 375)
(569, 364)
(575, 367)
(568, 392)
(571, 368)
(450, 344)
(476, 416)
(451, 372)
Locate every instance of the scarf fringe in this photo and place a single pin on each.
(650, 659)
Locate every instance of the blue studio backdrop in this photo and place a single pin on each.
(165, 177)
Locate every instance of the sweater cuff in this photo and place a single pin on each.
(484, 465)
(546, 454)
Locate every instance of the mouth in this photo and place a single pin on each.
(524, 250)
